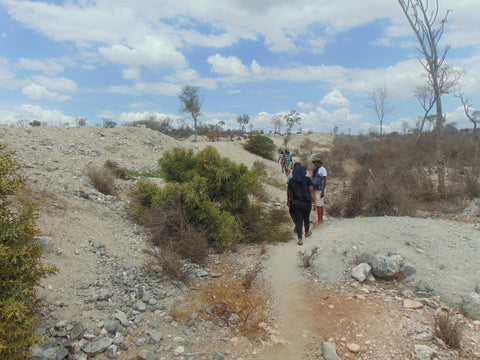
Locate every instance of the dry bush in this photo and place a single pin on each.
(170, 265)
(307, 259)
(102, 179)
(169, 228)
(259, 167)
(116, 170)
(251, 275)
(448, 329)
(229, 296)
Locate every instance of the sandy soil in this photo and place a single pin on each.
(308, 307)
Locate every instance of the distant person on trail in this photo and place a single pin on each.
(281, 158)
(319, 181)
(300, 195)
(288, 162)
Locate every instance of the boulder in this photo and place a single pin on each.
(384, 267)
(361, 272)
(471, 306)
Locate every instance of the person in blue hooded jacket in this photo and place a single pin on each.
(300, 197)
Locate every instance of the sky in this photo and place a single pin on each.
(127, 60)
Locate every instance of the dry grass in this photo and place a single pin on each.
(169, 264)
(170, 229)
(448, 329)
(306, 259)
(229, 295)
(251, 275)
(102, 179)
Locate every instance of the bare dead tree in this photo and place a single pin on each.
(473, 116)
(423, 18)
(425, 97)
(379, 102)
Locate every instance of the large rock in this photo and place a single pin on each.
(97, 347)
(424, 352)
(471, 306)
(361, 272)
(384, 267)
(330, 351)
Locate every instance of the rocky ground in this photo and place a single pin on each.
(103, 302)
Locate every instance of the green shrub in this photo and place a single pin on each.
(260, 145)
(214, 194)
(20, 266)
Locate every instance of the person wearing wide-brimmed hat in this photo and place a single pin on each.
(319, 181)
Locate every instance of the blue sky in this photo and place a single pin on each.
(127, 60)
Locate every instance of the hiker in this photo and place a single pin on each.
(288, 162)
(319, 181)
(300, 195)
(281, 160)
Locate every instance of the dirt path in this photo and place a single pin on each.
(290, 298)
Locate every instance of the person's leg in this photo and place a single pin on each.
(297, 213)
(306, 219)
(292, 215)
(319, 200)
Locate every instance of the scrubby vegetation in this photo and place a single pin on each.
(207, 199)
(20, 266)
(397, 176)
(260, 145)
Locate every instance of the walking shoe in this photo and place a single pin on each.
(318, 224)
(308, 234)
(300, 242)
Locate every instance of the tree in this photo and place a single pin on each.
(292, 118)
(277, 122)
(191, 104)
(473, 116)
(379, 102)
(243, 121)
(108, 123)
(428, 29)
(79, 121)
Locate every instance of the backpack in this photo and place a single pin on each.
(317, 181)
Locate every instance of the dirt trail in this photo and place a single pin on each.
(295, 318)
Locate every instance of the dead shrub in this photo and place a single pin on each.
(116, 170)
(229, 296)
(307, 259)
(169, 228)
(472, 187)
(170, 265)
(447, 328)
(259, 167)
(102, 179)
(251, 275)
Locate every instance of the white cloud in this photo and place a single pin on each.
(39, 92)
(7, 78)
(127, 117)
(58, 84)
(29, 113)
(230, 66)
(335, 98)
(151, 52)
(303, 105)
(49, 67)
(131, 74)
(163, 88)
(317, 120)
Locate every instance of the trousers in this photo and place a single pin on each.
(300, 211)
